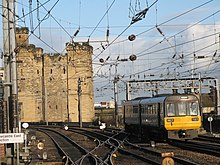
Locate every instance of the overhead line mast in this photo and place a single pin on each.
(10, 72)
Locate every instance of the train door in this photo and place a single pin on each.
(141, 111)
(161, 115)
(123, 110)
(158, 113)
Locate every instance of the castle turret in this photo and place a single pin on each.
(22, 37)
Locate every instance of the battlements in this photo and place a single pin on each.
(78, 46)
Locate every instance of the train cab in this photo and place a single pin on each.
(182, 116)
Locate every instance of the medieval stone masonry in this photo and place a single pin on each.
(48, 84)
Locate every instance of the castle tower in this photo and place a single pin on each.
(80, 69)
(22, 37)
(55, 87)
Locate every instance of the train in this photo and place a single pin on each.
(163, 117)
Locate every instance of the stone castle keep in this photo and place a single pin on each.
(48, 85)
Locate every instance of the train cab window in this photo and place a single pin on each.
(182, 107)
(170, 109)
(193, 108)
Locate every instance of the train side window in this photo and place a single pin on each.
(150, 109)
(155, 108)
(170, 109)
(135, 109)
(147, 110)
(142, 108)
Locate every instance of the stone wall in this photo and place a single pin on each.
(48, 83)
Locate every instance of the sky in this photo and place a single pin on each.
(169, 38)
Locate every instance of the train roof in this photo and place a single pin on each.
(156, 99)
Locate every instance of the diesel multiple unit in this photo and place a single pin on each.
(175, 116)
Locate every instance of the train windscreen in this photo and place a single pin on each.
(182, 108)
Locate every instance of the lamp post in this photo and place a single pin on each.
(10, 92)
(115, 82)
(79, 103)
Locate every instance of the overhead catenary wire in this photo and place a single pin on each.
(96, 56)
(169, 20)
(49, 13)
(101, 19)
(147, 53)
(170, 62)
(33, 10)
(181, 31)
(173, 19)
(44, 18)
(188, 41)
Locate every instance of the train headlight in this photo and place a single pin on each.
(195, 119)
(170, 120)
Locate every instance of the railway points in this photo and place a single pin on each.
(110, 146)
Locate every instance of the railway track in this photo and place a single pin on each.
(127, 150)
(111, 147)
(208, 138)
(198, 146)
(69, 149)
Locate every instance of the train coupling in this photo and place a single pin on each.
(182, 133)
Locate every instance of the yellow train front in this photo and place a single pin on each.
(182, 117)
(163, 117)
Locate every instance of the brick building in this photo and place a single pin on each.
(48, 83)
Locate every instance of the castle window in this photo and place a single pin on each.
(19, 36)
(51, 71)
(64, 70)
(38, 72)
(22, 72)
(56, 106)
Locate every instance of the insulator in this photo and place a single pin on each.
(133, 57)
(107, 33)
(103, 47)
(107, 58)
(101, 60)
(200, 57)
(75, 34)
(124, 59)
(132, 37)
(159, 30)
(215, 53)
